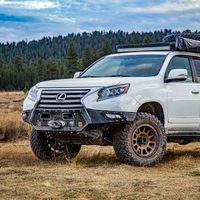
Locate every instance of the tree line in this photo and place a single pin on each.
(24, 64)
(57, 47)
(21, 76)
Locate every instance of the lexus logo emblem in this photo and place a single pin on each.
(61, 97)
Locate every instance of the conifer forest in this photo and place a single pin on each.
(23, 64)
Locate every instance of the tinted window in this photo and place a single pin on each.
(180, 63)
(126, 65)
(197, 67)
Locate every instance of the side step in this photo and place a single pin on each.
(183, 133)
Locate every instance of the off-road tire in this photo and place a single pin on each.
(44, 151)
(153, 140)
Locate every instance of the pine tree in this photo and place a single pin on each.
(53, 71)
(25, 90)
(106, 48)
(59, 65)
(48, 72)
(2, 64)
(72, 60)
(87, 57)
(2, 80)
(40, 69)
(137, 40)
(95, 55)
(18, 63)
(132, 41)
(61, 68)
(147, 39)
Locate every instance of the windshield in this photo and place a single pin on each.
(126, 66)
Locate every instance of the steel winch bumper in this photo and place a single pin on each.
(59, 123)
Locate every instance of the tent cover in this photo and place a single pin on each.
(186, 44)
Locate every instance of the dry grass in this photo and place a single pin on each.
(11, 123)
(95, 173)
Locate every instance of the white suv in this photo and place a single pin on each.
(135, 101)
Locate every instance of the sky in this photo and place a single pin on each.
(35, 19)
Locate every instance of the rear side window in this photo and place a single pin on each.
(180, 63)
(197, 67)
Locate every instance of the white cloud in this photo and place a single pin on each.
(66, 16)
(166, 7)
(9, 34)
(56, 18)
(30, 5)
(110, 2)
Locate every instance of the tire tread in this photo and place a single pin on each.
(122, 147)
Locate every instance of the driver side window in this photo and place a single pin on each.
(178, 62)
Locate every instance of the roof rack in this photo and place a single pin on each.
(173, 42)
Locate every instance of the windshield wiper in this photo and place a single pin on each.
(118, 75)
(88, 76)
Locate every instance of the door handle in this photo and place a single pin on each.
(195, 92)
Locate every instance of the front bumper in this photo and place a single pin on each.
(75, 120)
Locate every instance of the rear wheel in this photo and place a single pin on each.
(141, 143)
(47, 148)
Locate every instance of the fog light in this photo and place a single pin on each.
(113, 116)
(80, 124)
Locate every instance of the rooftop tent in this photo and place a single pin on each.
(172, 37)
(185, 44)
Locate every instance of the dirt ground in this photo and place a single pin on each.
(96, 173)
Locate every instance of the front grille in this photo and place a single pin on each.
(73, 99)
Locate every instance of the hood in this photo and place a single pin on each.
(82, 82)
(96, 82)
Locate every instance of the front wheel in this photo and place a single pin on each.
(142, 143)
(47, 148)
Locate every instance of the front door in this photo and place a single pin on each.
(183, 99)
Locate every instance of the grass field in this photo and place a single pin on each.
(95, 173)
(11, 123)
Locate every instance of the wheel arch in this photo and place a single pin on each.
(153, 108)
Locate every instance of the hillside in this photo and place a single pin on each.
(56, 47)
(23, 64)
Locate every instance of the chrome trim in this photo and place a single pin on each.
(70, 98)
(61, 97)
(61, 101)
(60, 106)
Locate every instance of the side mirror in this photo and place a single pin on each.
(177, 74)
(77, 74)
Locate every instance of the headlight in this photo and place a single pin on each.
(32, 95)
(113, 91)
